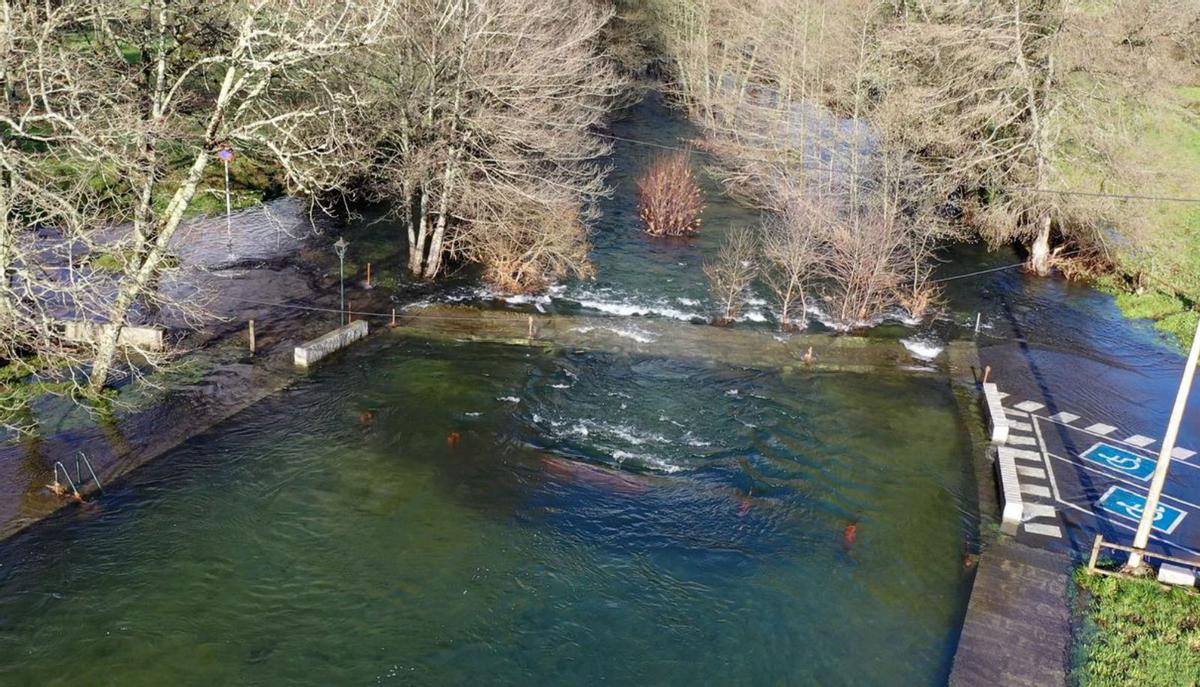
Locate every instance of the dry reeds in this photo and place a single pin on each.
(669, 199)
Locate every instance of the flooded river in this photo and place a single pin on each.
(440, 513)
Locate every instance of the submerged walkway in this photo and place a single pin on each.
(745, 346)
(1018, 625)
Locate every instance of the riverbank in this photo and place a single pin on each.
(271, 257)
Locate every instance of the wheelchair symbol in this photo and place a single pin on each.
(1115, 458)
(1127, 504)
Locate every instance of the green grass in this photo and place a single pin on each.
(1138, 633)
(1166, 251)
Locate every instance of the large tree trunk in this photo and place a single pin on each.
(416, 245)
(1039, 250)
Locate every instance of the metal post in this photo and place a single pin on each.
(1142, 539)
(228, 212)
(340, 249)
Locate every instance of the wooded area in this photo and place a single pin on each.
(871, 133)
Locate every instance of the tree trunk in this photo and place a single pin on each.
(416, 249)
(1039, 250)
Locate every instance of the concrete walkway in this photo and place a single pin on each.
(1018, 624)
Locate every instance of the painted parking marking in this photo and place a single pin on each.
(1180, 453)
(1028, 471)
(1015, 440)
(1029, 406)
(1100, 428)
(1116, 458)
(1126, 504)
(1139, 440)
(1044, 530)
(1035, 490)
(1064, 417)
(1024, 454)
(1037, 510)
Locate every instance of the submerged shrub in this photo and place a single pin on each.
(669, 199)
(731, 273)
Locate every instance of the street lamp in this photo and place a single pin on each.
(225, 152)
(1150, 511)
(340, 249)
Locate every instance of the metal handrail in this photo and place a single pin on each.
(88, 463)
(67, 475)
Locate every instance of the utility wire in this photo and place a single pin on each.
(994, 269)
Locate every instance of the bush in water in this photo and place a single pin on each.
(670, 201)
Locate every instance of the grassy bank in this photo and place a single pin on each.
(1137, 633)
(1167, 252)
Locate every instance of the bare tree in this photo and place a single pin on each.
(732, 271)
(488, 115)
(792, 255)
(166, 84)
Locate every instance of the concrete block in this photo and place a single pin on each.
(1176, 575)
(146, 338)
(310, 352)
(1013, 505)
(998, 423)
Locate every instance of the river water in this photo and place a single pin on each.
(439, 513)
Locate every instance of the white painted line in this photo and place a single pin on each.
(1029, 406)
(1002, 395)
(1134, 486)
(1044, 530)
(1035, 490)
(1020, 426)
(1039, 510)
(1015, 413)
(1100, 428)
(1065, 418)
(1023, 454)
(1028, 471)
(1140, 441)
(1180, 453)
(1016, 440)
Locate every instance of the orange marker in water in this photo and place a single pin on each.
(850, 535)
(452, 439)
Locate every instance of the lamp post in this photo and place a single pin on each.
(340, 249)
(225, 152)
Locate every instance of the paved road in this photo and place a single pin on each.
(1081, 475)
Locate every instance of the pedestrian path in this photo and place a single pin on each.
(1017, 630)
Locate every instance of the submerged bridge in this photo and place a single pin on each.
(740, 346)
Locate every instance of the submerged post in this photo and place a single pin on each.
(252, 346)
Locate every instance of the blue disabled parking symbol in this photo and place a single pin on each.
(1127, 504)
(1116, 458)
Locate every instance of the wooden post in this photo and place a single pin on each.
(393, 317)
(1095, 553)
(368, 275)
(531, 326)
(252, 342)
(349, 312)
(987, 373)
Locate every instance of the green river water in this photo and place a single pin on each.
(421, 513)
